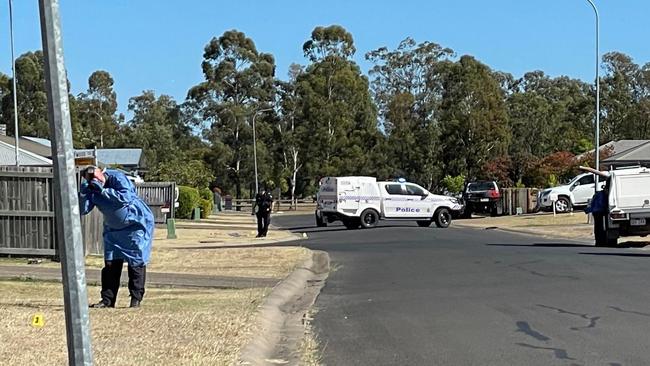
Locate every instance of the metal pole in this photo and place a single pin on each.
(15, 91)
(257, 187)
(68, 233)
(597, 135)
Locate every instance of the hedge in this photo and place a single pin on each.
(206, 194)
(206, 208)
(188, 199)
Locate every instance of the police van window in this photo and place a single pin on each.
(394, 189)
(589, 179)
(414, 190)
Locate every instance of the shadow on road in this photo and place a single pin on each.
(618, 254)
(543, 245)
(315, 229)
(630, 244)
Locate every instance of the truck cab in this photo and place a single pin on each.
(362, 201)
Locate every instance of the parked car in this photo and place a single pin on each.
(576, 193)
(483, 197)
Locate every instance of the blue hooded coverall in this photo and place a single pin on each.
(128, 232)
(128, 221)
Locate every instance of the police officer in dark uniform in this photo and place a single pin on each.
(263, 204)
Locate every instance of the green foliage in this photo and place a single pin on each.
(193, 173)
(188, 200)
(32, 105)
(520, 184)
(206, 207)
(239, 83)
(453, 185)
(552, 181)
(206, 193)
(337, 109)
(474, 117)
(96, 122)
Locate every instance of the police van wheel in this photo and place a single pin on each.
(425, 223)
(442, 218)
(369, 218)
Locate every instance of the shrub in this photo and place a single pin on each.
(454, 185)
(206, 193)
(206, 208)
(188, 199)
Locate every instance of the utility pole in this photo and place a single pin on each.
(597, 134)
(257, 185)
(66, 199)
(15, 91)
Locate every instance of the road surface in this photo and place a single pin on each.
(403, 295)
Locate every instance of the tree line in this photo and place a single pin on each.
(421, 112)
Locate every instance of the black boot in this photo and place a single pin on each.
(135, 303)
(100, 305)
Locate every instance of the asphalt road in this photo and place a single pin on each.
(403, 295)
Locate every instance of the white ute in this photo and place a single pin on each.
(576, 193)
(628, 211)
(362, 201)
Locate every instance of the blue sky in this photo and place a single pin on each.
(158, 45)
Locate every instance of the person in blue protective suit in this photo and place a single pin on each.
(128, 231)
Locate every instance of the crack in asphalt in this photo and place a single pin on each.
(592, 319)
(520, 266)
(559, 353)
(525, 328)
(629, 311)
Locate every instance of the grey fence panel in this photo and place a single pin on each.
(26, 211)
(160, 197)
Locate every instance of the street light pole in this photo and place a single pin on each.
(15, 91)
(257, 186)
(597, 137)
(66, 200)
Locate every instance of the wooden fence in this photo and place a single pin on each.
(524, 199)
(278, 205)
(27, 225)
(26, 211)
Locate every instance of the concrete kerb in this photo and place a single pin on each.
(280, 316)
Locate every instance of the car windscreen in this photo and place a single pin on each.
(478, 187)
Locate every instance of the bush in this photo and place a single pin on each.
(206, 194)
(454, 185)
(206, 208)
(188, 199)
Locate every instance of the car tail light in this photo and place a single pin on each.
(493, 193)
(618, 216)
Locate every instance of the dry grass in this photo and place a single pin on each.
(310, 352)
(174, 327)
(271, 262)
(578, 218)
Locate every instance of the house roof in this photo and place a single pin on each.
(8, 156)
(29, 145)
(617, 147)
(119, 157)
(38, 140)
(637, 154)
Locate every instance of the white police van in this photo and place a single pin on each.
(362, 202)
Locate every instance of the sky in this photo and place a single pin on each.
(158, 45)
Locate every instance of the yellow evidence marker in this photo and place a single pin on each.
(38, 320)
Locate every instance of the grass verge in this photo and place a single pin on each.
(175, 327)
